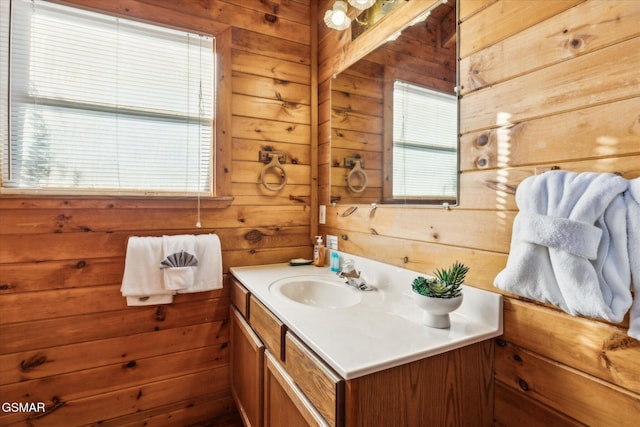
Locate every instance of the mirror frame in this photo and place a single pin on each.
(397, 19)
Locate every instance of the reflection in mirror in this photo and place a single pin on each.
(394, 119)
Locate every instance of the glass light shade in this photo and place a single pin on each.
(362, 4)
(337, 18)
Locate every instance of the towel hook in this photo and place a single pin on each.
(274, 166)
(357, 170)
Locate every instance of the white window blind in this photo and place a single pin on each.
(100, 103)
(425, 139)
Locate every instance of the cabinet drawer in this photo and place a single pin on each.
(323, 387)
(268, 327)
(240, 297)
(285, 404)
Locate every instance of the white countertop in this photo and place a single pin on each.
(385, 329)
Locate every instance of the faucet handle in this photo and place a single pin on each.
(348, 266)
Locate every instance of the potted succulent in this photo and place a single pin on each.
(440, 295)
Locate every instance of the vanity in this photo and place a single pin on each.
(306, 349)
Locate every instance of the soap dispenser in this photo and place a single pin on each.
(318, 252)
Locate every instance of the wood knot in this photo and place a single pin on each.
(131, 364)
(81, 264)
(270, 18)
(620, 342)
(254, 235)
(161, 314)
(523, 384)
(32, 362)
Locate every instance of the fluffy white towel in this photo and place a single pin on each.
(180, 277)
(142, 282)
(569, 244)
(632, 201)
(208, 273)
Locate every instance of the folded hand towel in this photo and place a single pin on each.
(208, 273)
(143, 282)
(174, 278)
(569, 246)
(632, 201)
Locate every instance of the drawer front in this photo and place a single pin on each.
(323, 387)
(285, 404)
(268, 327)
(240, 297)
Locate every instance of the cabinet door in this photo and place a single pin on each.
(284, 403)
(247, 370)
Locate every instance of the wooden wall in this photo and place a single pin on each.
(67, 337)
(548, 83)
(564, 70)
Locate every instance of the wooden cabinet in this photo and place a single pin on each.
(247, 353)
(283, 382)
(264, 392)
(284, 403)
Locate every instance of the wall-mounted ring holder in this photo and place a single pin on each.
(273, 165)
(357, 172)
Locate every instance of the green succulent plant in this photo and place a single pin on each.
(446, 283)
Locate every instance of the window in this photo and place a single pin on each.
(105, 104)
(425, 139)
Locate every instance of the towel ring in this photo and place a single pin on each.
(274, 165)
(357, 170)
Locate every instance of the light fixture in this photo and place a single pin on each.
(337, 18)
(362, 4)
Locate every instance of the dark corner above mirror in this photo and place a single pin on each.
(394, 117)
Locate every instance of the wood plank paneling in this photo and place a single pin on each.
(584, 81)
(67, 336)
(42, 363)
(608, 130)
(550, 83)
(564, 389)
(565, 38)
(506, 18)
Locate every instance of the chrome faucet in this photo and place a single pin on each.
(353, 277)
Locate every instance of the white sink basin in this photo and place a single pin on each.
(316, 291)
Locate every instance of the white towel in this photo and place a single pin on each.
(569, 244)
(632, 201)
(208, 273)
(178, 278)
(143, 282)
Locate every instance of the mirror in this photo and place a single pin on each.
(394, 118)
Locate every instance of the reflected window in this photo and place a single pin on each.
(425, 140)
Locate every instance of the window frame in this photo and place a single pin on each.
(220, 187)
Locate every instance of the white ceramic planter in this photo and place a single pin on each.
(436, 310)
